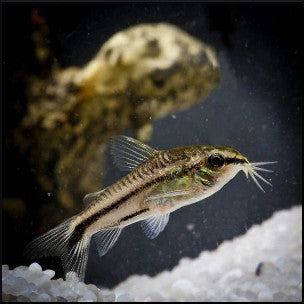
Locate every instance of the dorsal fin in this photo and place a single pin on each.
(128, 152)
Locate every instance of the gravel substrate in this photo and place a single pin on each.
(265, 264)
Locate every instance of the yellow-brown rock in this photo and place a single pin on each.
(140, 74)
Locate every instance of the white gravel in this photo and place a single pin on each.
(229, 272)
(24, 284)
(225, 274)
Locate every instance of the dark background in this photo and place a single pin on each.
(257, 109)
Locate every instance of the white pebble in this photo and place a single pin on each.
(183, 288)
(259, 286)
(35, 267)
(280, 297)
(265, 296)
(67, 292)
(125, 298)
(32, 287)
(54, 290)
(80, 288)
(106, 296)
(22, 286)
(83, 299)
(22, 299)
(50, 273)
(89, 295)
(33, 297)
(41, 280)
(43, 298)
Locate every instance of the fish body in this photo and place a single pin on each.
(159, 183)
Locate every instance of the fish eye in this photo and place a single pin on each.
(216, 160)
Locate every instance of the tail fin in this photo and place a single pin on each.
(60, 242)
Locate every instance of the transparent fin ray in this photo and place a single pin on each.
(172, 194)
(106, 238)
(128, 152)
(58, 242)
(153, 226)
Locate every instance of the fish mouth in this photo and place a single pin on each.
(250, 169)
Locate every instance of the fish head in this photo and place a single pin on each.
(220, 164)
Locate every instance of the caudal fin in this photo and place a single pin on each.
(60, 242)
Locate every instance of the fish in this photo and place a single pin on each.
(158, 183)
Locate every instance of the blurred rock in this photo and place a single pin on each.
(140, 74)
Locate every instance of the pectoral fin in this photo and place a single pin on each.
(169, 194)
(172, 189)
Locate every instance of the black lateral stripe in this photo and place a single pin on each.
(234, 160)
(104, 211)
(80, 228)
(133, 215)
(76, 235)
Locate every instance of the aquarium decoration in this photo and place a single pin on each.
(140, 74)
